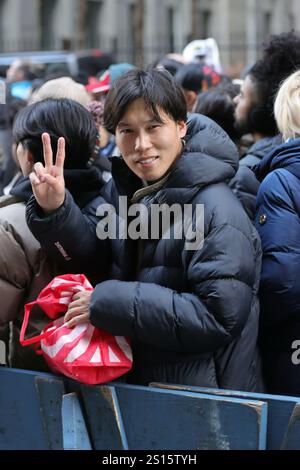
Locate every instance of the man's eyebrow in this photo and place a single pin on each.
(127, 124)
(123, 124)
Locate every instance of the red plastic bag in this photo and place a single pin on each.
(84, 353)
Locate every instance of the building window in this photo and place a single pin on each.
(2, 45)
(170, 29)
(267, 23)
(93, 18)
(135, 33)
(131, 34)
(291, 21)
(47, 9)
(205, 22)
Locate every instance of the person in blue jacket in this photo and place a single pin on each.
(185, 294)
(278, 223)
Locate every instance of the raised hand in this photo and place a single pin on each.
(47, 181)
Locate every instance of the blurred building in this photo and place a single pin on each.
(139, 31)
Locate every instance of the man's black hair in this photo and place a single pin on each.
(60, 118)
(281, 57)
(157, 87)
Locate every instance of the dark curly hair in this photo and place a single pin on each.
(281, 57)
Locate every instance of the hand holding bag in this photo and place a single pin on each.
(83, 353)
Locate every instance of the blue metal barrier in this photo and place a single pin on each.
(125, 417)
(37, 413)
(281, 409)
(30, 410)
(75, 433)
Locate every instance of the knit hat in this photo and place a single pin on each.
(64, 87)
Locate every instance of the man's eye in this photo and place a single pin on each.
(126, 131)
(154, 126)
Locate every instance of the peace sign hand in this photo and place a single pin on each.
(47, 181)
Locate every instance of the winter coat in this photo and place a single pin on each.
(278, 223)
(192, 315)
(244, 184)
(24, 267)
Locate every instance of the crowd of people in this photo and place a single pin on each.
(222, 312)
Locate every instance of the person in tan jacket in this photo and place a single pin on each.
(24, 268)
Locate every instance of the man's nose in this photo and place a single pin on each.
(142, 141)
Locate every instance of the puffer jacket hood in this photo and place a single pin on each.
(263, 146)
(209, 156)
(285, 156)
(213, 156)
(245, 185)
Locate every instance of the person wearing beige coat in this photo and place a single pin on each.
(24, 268)
(24, 271)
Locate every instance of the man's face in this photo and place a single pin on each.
(149, 147)
(244, 102)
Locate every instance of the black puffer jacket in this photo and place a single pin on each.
(245, 185)
(192, 315)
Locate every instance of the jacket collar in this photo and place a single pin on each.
(286, 155)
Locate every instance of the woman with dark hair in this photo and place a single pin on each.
(217, 104)
(181, 285)
(24, 268)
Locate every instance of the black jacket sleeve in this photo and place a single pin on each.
(212, 314)
(245, 187)
(69, 235)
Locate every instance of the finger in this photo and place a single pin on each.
(71, 313)
(60, 154)
(39, 170)
(80, 294)
(84, 318)
(50, 179)
(34, 180)
(75, 304)
(47, 150)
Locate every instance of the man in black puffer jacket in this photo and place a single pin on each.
(191, 314)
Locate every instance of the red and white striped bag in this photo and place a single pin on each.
(84, 353)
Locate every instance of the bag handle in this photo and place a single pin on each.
(34, 339)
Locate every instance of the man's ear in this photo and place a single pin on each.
(182, 127)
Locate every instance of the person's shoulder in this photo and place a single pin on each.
(249, 160)
(280, 188)
(13, 223)
(219, 199)
(12, 211)
(279, 177)
(8, 200)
